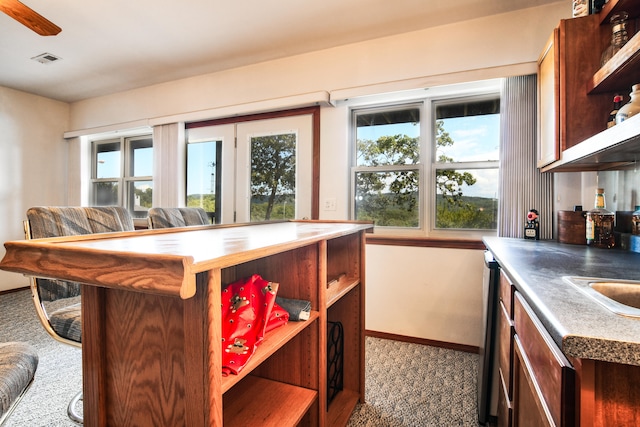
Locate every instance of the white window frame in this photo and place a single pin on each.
(125, 176)
(427, 166)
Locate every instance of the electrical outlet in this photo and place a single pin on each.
(330, 204)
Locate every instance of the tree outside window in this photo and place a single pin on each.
(388, 183)
(273, 177)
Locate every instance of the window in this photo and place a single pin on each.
(122, 173)
(429, 165)
(387, 172)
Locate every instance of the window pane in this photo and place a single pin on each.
(105, 193)
(273, 177)
(203, 172)
(140, 198)
(388, 198)
(388, 137)
(468, 132)
(141, 161)
(108, 160)
(467, 199)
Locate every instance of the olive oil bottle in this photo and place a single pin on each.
(600, 221)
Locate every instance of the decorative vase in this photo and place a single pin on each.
(632, 107)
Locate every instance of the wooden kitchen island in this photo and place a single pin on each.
(151, 321)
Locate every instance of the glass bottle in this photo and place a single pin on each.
(619, 36)
(617, 101)
(599, 226)
(635, 221)
(632, 107)
(580, 8)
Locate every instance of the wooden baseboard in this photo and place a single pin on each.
(423, 341)
(10, 291)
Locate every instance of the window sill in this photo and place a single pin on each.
(425, 242)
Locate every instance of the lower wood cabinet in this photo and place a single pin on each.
(538, 382)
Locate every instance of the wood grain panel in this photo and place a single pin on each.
(551, 370)
(144, 359)
(161, 274)
(506, 293)
(617, 395)
(581, 115)
(530, 409)
(296, 271)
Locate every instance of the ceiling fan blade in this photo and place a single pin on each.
(28, 17)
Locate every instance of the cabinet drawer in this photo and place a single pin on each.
(506, 293)
(550, 371)
(504, 405)
(505, 352)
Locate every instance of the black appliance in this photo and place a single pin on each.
(487, 364)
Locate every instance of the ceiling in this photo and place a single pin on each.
(108, 46)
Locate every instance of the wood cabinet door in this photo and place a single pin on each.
(542, 374)
(529, 409)
(548, 149)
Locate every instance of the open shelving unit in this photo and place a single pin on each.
(585, 94)
(152, 323)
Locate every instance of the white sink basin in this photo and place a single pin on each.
(619, 296)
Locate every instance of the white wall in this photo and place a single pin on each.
(470, 50)
(33, 163)
(429, 293)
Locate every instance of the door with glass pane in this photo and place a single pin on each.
(211, 171)
(274, 169)
(268, 176)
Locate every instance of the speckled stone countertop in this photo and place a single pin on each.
(580, 326)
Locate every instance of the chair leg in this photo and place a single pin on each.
(71, 409)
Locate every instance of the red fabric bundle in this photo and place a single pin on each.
(249, 310)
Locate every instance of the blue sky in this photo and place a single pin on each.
(476, 138)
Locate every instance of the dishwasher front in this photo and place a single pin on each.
(487, 364)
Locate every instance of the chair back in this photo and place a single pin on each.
(57, 301)
(177, 217)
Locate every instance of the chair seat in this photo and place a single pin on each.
(67, 322)
(18, 363)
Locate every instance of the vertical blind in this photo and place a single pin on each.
(522, 185)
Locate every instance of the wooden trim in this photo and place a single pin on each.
(10, 291)
(425, 242)
(424, 341)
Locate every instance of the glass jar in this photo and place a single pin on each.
(619, 36)
(600, 221)
(632, 107)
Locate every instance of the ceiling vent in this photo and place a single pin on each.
(46, 58)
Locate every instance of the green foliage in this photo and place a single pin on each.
(280, 211)
(146, 197)
(391, 198)
(477, 213)
(205, 201)
(273, 170)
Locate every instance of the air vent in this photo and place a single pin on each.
(46, 58)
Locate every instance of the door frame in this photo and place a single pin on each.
(315, 149)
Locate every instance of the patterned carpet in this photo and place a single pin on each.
(407, 385)
(415, 385)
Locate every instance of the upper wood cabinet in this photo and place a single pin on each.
(575, 94)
